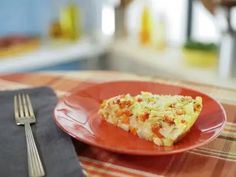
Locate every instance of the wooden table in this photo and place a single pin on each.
(216, 159)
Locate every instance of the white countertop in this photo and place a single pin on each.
(170, 61)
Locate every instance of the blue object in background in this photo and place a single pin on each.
(33, 17)
(26, 17)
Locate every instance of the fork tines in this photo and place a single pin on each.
(23, 109)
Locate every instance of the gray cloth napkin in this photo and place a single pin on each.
(55, 147)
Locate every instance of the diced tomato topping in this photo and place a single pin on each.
(168, 120)
(133, 131)
(128, 113)
(144, 116)
(123, 104)
(128, 103)
(125, 119)
(119, 113)
(156, 131)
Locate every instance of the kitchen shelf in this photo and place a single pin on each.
(49, 55)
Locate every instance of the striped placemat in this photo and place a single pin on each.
(217, 158)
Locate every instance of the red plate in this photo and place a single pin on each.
(77, 116)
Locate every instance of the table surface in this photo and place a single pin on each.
(217, 158)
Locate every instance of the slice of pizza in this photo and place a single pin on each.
(162, 119)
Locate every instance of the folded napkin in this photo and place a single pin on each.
(55, 147)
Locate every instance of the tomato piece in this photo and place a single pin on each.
(133, 131)
(119, 113)
(168, 120)
(156, 131)
(123, 104)
(144, 116)
(128, 103)
(128, 113)
(125, 119)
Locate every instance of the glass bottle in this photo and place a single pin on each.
(145, 29)
(69, 21)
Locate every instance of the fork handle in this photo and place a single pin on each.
(35, 166)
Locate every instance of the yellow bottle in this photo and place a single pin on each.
(69, 21)
(145, 29)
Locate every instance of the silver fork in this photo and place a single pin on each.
(24, 115)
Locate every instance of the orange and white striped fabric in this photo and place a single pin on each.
(216, 159)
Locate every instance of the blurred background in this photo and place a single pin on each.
(191, 40)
